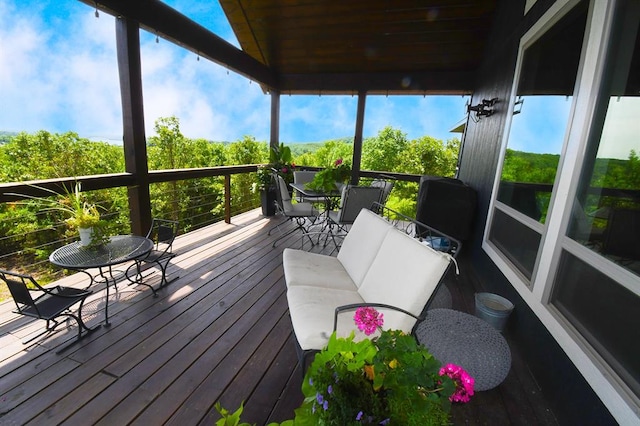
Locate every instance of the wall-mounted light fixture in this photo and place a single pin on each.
(483, 109)
(517, 106)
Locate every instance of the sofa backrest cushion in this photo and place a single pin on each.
(361, 244)
(405, 273)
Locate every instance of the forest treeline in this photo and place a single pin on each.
(26, 228)
(197, 202)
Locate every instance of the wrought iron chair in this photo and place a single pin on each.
(354, 198)
(49, 305)
(303, 177)
(298, 212)
(162, 232)
(386, 185)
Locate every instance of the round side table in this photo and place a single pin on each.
(465, 340)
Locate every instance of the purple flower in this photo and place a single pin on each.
(325, 405)
(385, 422)
(330, 390)
(319, 398)
(359, 416)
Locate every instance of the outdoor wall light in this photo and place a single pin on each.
(517, 106)
(483, 109)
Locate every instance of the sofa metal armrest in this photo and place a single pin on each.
(354, 306)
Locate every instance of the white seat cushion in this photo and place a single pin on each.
(361, 244)
(311, 269)
(405, 273)
(312, 311)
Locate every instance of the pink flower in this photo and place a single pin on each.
(284, 170)
(338, 162)
(463, 381)
(368, 319)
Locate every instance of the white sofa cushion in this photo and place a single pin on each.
(404, 274)
(312, 312)
(361, 244)
(311, 269)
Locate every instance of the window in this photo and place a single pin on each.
(606, 208)
(600, 299)
(546, 83)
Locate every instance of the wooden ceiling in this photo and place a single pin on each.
(374, 45)
(329, 46)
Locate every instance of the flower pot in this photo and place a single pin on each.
(268, 199)
(86, 234)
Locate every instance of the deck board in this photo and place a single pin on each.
(220, 332)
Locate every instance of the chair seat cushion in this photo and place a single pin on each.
(312, 312)
(302, 268)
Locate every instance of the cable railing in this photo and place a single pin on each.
(198, 198)
(195, 197)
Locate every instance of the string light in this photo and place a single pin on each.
(157, 39)
(97, 14)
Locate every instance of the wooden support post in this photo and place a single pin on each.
(275, 119)
(134, 139)
(357, 140)
(227, 198)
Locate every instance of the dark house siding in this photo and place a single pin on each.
(571, 397)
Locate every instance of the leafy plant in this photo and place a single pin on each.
(325, 180)
(80, 212)
(390, 379)
(263, 179)
(280, 159)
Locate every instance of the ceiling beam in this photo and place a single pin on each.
(157, 17)
(436, 82)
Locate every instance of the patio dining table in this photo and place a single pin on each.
(118, 250)
(332, 200)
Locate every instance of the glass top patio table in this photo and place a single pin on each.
(119, 249)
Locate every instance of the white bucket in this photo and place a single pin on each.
(493, 309)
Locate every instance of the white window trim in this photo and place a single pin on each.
(623, 406)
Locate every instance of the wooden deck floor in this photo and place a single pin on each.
(221, 332)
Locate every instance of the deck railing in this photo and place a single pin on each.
(28, 250)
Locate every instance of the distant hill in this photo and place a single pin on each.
(6, 136)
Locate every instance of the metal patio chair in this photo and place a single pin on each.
(50, 304)
(162, 232)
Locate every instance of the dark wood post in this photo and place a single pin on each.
(357, 139)
(134, 139)
(275, 119)
(227, 198)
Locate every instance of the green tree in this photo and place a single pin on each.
(382, 153)
(327, 154)
(245, 151)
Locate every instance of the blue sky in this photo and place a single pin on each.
(58, 72)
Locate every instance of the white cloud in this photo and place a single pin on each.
(58, 71)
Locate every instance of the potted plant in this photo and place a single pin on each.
(329, 179)
(83, 216)
(280, 159)
(385, 380)
(265, 185)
